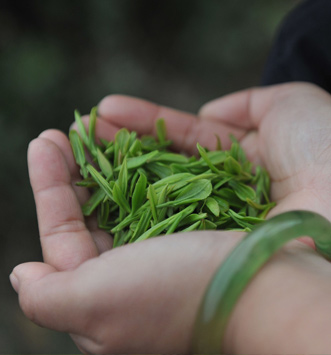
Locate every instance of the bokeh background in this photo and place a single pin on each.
(58, 55)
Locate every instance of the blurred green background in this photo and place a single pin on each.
(58, 55)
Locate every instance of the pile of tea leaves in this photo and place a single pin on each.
(141, 189)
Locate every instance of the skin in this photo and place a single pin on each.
(143, 298)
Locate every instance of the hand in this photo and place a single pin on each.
(286, 128)
(137, 298)
(144, 297)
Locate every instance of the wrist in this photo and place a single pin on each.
(286, 306)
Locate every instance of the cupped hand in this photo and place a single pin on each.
(139, 298)
(286, 128)
(144, 297)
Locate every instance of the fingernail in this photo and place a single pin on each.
(14, 281)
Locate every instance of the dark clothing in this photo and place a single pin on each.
(302, 48)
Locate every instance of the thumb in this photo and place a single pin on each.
(244, 109)
(45, 295)
(28, 273)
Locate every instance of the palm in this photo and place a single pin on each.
(292, 142)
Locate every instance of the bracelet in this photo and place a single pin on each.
(243, 263)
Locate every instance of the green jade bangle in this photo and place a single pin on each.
(243, 263)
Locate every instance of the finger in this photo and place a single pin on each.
(47, 297)
(31, 272)
(243, 109)
(102, 239)
(62, 142)
(65, 240)
(184, 129)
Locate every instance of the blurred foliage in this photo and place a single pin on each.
(58, 55)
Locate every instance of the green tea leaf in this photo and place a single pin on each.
(222, 182)
(215, 157)
(243, 191)
(236, 150)
(93, 202)
(213, 206)
(192, 227)
(262, 181)
(160, 227)
(136, 162)
(109, 151)
(259, 206)
(244, 221)
(129, 219)
(103, 213)
(148, 142)
(162, 198)
(229, 195)
(208, 176)
(161, 130)
(264, 185)
(248, 219)
(223, 204)
(120, 199)
(193, 192)
(170, 158)
(91, 135)
(159, 169)
(125, 237)
(156, 229)
(231, 166)
(179, 168)
(88, 182)
(78, 150)
(134, 225)
(219, 143)
(101, 181)
(192, 218)
(151, 195)
(133, 138)
(175, 182)
(117, 156)
(247, 167)
(81, 128)
(117, 237)
(139, 194)
(205, 157)
(264, 213)
(122, 138)
(174, 224)
(205, 224)
(104, 164)
(135, 148)
(123, 177)
(133, 182)
(142, 225)
(104, 142)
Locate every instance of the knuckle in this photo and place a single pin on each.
(68, 226)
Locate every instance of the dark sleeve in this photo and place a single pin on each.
(302, 47)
